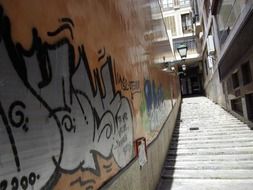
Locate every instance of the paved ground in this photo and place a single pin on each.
(210, 150)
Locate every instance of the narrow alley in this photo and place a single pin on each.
(210, 149)
(126, 95)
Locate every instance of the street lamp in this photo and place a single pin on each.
(183, 67)
(182, 50)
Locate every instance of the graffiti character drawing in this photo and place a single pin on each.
(60, 121)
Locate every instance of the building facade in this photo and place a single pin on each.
(181, 27)
(227, 47)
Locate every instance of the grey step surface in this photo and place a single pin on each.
(227, 157)
(213, 151)
(211, 141)
(207, 128)
(208, 174)
(211, 132)
(201, 184)
(206, 164)
(210, 149)
(213, 145)
(211, 136)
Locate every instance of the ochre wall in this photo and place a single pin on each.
(77, 87)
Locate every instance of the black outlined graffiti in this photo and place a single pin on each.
(71, 111)
(4, 185)
(23, 183)
(11, 138)
(67, 25)
(67, 123)
(17, 118)
(133, 85)
(83, 183)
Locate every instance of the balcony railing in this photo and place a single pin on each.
(170, 5)
(184, 3)
(192, 44)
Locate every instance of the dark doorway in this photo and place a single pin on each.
(191, 81)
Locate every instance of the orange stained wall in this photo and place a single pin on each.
(77, 87)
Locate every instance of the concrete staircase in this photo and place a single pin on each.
(210, 150)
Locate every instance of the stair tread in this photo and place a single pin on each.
(205, 184)
(208, 174)
(209, 149)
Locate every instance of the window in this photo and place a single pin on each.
(196, 10)
(171, 25)
(167, 4)
(249, 105)
(236, 105)
(207, 7)
(206, 65)
(235, 80)
(184, 3)
(228, 13)
(176, 3)
(246, 73)
(229, 86)
(186, 23)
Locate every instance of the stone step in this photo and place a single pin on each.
(210, 141)
(212, 151)
(202, 119)
(208, 174)
(215, 136)
(213, 145)
(214, 128)
(207, 123)
(208, 165)
(216, 113)
(210, 123)
(211, 131)
(205, 117)
(205, 184)
(223, 157)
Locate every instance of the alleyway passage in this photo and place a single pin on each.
(210, 150)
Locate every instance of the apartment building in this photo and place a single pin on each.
(227, 51)
(181, 27)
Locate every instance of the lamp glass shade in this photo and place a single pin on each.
(182, 50)
(183, 67)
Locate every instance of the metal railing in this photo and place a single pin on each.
(192, 44)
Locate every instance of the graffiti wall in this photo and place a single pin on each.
(159, 95)
(76, 90)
